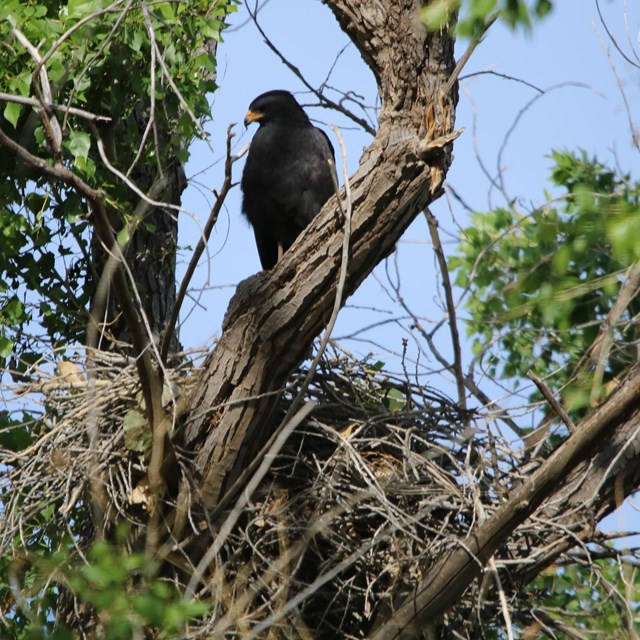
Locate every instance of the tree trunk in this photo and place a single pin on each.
(274, 317)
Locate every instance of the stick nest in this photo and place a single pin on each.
(384, 477)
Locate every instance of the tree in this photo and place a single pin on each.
(146, 493)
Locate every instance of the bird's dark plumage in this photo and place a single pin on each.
(288, 175)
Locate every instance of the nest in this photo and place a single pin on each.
(383, 478)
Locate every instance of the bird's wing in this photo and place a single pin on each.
(287, 179)
(316, 167)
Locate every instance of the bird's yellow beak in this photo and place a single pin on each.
(252, 116)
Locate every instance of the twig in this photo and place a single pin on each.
(178, 94)
(346, 239)
(598, 352)
(104, 279)
(116, 172)
(32, 102)
(550, 398)
(502, 597)
(43, 91)
(467, 54)
(57, 172)
(633, 63)
(499, 183)
(503, 76)
(150, 378)
(619, 82)
(451, 307)
(469, 383)
(152, 93)
(326, 102)
(202, 243)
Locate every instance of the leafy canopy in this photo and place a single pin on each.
(474, 14)
(541, 283)
(147, 68)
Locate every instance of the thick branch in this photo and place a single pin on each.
(447, 580)
(275, 316)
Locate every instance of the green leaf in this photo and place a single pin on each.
(543, 8)
(396, 400)
(436, 14)
(150, 607)
(123, 236)
(79, 144)
(6, 347)
(137, 40)
(211, 29)
(12, 113)
(137, 436)
(81, 8)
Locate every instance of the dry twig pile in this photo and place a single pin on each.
(382, 478)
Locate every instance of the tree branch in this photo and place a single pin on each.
(43, 91)
(451, 308)
(324, 101)
(32, 102)
(151, 385)
(274, 316)
(202, 243)
(445, 581)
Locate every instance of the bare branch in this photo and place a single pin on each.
(202, 243)
(464, 58)
(127, 181)
(43, 91)
(633, 63)
(451, 308)
(74, 111)
(550, 398)
(324, 101)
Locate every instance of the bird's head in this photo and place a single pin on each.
(273, 106)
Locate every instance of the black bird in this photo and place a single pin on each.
(288, 175)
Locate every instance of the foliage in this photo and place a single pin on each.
(146, 69)
(119, 585)
(125, 83)
(475, 13)
(541, 283)
(599, 597)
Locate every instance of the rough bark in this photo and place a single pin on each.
(274, 316)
